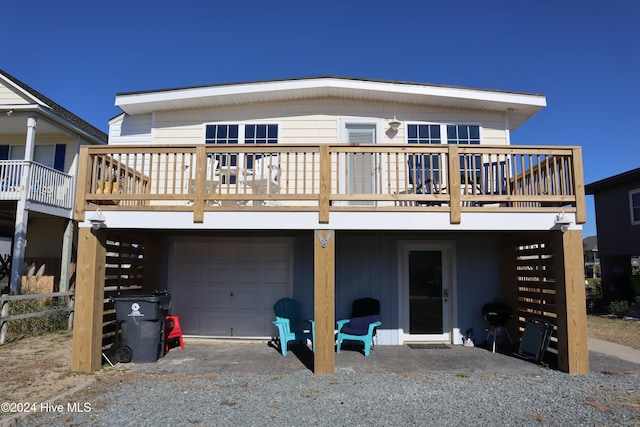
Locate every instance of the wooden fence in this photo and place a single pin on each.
(5, 318)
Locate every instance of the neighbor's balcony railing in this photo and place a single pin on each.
(44, 185)
(326, 178)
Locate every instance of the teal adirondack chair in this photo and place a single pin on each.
(361, 326)
(290, 327)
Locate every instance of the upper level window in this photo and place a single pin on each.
(240, 134)
(260, 134)
(634, 205)
(463, 134)
(470, 164)
(425, 134)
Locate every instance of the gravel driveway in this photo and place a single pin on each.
(207, 385)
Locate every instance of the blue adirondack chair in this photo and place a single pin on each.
(361, 326)
(290, 327)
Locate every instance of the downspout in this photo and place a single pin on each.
(22, 214)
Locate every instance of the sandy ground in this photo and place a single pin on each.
(37, 369)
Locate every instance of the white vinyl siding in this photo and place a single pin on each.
(131, 130)
(301, 122)
(10, 97)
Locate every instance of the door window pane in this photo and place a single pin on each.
(425, 292)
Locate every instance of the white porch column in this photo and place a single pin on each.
(22, 215)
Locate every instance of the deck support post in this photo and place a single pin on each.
(89, 301)
(509, 282)
(573, 353)
(324, 302)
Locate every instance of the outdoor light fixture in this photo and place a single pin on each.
(562, 221)
(9, 112)
(394, 124)
(97, 220)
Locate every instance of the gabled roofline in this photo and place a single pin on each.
(336, 77)
(519, 105)
(612, 181)
(54, 111)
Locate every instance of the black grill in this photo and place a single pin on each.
(497, 313)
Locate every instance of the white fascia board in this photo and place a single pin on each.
(116, 119)
(19, 107)
(535, 100)
(291, 86)
(378, 221)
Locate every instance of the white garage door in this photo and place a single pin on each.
(228, 288)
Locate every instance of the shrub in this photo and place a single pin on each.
(619, 309)
(593, 290)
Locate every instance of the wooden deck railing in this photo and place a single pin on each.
(325, 178)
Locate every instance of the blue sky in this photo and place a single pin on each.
(584, 55)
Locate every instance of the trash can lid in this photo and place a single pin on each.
(143, 295)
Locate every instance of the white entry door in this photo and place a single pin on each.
(427, 286)
(228, 288)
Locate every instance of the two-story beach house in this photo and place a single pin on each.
(39, 145)
(329, 189)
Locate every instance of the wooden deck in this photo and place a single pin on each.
(329, 178)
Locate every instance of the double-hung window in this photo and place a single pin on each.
(634, 205)
(259, 134)
(427, 164)
(470, 164)
(240, 134)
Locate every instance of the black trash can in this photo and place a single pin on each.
(140, 317)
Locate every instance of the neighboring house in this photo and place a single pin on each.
(329, 189)
(39, 144)
(591, 257)
(617, 203)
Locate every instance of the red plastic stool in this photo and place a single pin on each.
(172, 330)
